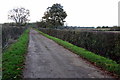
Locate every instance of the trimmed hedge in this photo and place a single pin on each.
(103, 62)
(103, 43)
(11, 32)
(13, 58)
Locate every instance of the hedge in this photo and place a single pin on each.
(13, 58)
(103, 43)
(100, 61)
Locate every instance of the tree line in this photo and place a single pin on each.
(53, 17)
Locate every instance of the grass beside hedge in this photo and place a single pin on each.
(103, 62)
(13, 58)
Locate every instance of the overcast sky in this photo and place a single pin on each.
(80, 12)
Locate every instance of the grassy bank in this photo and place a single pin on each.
(100, 61)
(13, 58)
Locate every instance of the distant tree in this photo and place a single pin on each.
(98, 27)
(105, 27)
(54, 16)
(19, 15)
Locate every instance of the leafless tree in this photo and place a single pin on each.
(19, 15)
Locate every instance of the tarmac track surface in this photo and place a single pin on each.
(47, 59)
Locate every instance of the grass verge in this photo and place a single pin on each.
(100, 61)
(13, 58)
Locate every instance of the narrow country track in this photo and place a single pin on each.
(47, 59)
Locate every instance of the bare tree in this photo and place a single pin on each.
(19, 15)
